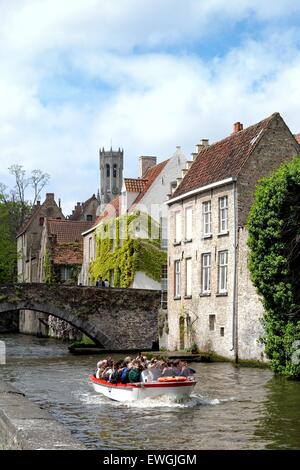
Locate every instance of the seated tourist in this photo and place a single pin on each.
(185, 370)
(169, 370)
(134, 374)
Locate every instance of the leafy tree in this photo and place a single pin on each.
(274, 242)
(14, 209)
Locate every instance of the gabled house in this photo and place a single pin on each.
(86, 211)
(28, 248)
(61, 250)
(211, 300)
(138, 221)
(29, 238)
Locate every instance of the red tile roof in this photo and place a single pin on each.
(150, 175)
(224, 159)
(135, 185)
(67, 255)
(67, 231)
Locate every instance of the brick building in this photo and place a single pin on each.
(211, 300)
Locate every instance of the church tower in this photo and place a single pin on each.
(111, 174)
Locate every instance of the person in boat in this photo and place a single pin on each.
(170, 370)
(124, 370)
(114, 376)
(101, 366)
(154, 370)
(134, 374)
(185, 370)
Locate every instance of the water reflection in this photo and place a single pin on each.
(231, 408)
(280, 425)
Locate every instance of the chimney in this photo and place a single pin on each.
(50, 196)
(237, 127)
(146, 163)
(203, 143)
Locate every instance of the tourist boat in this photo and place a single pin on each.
(175, 387)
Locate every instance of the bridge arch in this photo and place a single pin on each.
(69, 317)
(115, 318)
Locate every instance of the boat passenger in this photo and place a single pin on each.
(170, 370)
(125, 372)
(154, 371)
(134, 374)
(185, 370)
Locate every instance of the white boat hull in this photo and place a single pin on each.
(142, 391)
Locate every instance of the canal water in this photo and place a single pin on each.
(231, 408)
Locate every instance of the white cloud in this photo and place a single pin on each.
(156, 99)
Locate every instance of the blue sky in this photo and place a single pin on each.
(78, 74)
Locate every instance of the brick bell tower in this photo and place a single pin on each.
(111, 174)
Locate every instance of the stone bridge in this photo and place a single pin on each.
(114, 318)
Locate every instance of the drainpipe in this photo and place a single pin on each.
(235, 276)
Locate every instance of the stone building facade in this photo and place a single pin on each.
(28, 248)
(211, 299)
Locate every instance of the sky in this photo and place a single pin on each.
(146, 76)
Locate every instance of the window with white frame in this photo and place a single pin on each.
(189, 223)
(223, 214)
(188, 277)
(223, 271)
(177, 227)
(177, 278)
(206, 218)
(206, 273)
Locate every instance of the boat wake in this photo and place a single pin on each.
(194, 401)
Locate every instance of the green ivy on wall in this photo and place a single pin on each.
(123, 249)
(48, 272)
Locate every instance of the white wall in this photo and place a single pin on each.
(142, 281)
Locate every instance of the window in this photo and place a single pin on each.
(223, 214)
(206, 218)
(65, 273)
(222, 331)
(164, 277)
(107, 170)
(189, 223)
(188, 277)
(177, 278)
(223, 268)
(206, 273)
(115, 170)
(89, 218)
(41, 221)
(177, 227)
(212, 322)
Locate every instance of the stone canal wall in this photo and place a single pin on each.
(25, 426)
